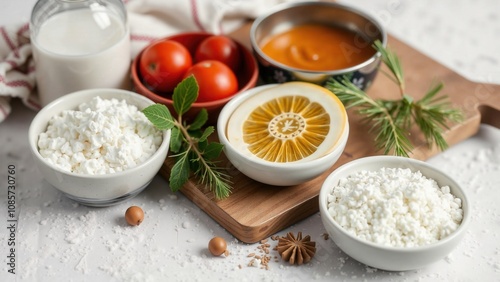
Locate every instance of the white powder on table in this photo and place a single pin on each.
(99, 137)
(395, 207)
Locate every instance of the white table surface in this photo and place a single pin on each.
(59, 240)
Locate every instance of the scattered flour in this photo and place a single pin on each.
(51, 249)
(79, 229)
(82, 265)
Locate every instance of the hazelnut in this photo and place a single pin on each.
(134, 215)
(218, 246)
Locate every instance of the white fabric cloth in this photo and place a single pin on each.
(17, 72)
(148, 20)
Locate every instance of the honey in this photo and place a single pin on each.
(316, 47)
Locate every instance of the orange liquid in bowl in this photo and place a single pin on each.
(317, 47)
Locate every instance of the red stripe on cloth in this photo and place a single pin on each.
(3, 112)
(17, 83)
(33, 104)
(11, 63)
(194, 12)
(23, 29)
(15, 66)
(135, 37)
(20, 83)
(9, 41)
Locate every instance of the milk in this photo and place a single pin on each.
(80, 49)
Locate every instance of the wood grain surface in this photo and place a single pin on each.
(255, 211)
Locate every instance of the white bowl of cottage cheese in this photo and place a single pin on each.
(96, 146)
(394, 213)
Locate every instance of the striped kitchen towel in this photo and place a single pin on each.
(17, 71)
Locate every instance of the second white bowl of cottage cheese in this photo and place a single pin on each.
(393, 213)
(96, 146)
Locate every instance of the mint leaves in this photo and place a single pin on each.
(193, 152)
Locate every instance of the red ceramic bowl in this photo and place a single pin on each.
(247, 77)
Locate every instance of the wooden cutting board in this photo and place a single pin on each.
(255, 211)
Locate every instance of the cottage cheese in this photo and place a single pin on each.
(394, 207)
(99, 137)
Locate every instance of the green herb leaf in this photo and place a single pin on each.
(190, 142)
(200, 120)
(213, 150)
(391, 60)
(202, 145)
(179, 174)
(432, 113)
(185, 94)
(176, 140)
(208, 131)
(393, 119)
(428, 98)
(213, 177)
(160, 116)
(195, 161)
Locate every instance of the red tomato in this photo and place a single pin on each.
(163, 64)
(220, 48)
(215, 80)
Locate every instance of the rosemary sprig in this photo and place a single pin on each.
(189, 142)
(392, 62)
(392, 119)
(386, 116)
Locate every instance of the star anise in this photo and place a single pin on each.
(295, 249)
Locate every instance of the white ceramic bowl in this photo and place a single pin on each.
(96, 190)
(384, 257)
(275, 173)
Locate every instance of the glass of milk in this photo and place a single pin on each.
(79, 44)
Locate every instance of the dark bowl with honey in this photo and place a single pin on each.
(316, 42)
